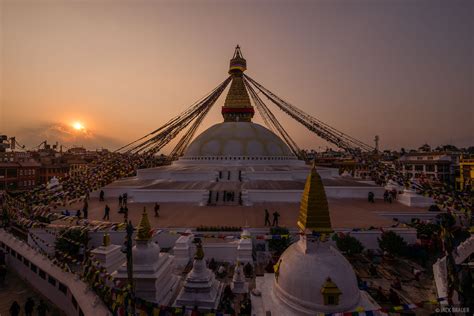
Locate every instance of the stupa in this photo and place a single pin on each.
(201, 289)
(182, 250)
(152, 271)
(312, 276)
(245, 247)
(108, 255)
(237, 157)
(239, 285)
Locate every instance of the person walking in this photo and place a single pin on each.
(120, 200)
(370, 197)
(157, 208)
(85, 209)
(29, 307)
(106, 212)
(276, 216)
(267, 218)
(101, 195)
(125, 198)
(42, 308)
(15, 309)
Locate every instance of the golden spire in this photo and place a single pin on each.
(106, 240)
(237, 106)
(199, 251)
(314, 210)
(144, 227)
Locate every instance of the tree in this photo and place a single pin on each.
(70, 241)
(279, 245)
(392, 243)
(348, 244)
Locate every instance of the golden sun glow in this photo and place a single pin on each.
(78, 126)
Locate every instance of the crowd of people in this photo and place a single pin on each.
(41, 309)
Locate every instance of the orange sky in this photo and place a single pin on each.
(399, 69)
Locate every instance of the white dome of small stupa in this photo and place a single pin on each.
(302, 276)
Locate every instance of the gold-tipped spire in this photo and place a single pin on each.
(144, 227)
(314, 209)
(199, 251)
(106, 240)
(237, 106)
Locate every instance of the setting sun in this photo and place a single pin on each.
(78, 126)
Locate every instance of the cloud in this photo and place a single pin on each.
(64, 135)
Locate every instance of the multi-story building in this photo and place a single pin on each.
(465, 174)
(50, 168)
(434, 165)
(18, 175)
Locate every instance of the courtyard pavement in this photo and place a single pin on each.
(345, 213)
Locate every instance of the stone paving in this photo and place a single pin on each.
(344, 213)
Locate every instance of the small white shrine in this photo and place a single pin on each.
(109, 256)
(152, 270)
(183, 249)
(244, 247)
(239, 285)
(201, 289)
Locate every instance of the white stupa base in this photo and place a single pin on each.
(110, 257)
(413, 199)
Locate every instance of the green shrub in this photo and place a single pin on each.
(64, 245)
(279, 245)
(392, 243)
(348, 244)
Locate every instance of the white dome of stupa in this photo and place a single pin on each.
(302, 275)
(238, 141)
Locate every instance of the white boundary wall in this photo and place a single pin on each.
(65, 290)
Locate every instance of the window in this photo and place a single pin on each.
(62, 288)
(33, 268)
(430, 168)
(418, 167)
(74, 302)
(330, 292)
(19, 257)
(52, 280)
(42, 274)
(26, 262)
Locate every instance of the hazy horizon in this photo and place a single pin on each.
(403, 70)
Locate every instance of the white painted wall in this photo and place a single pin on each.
(191, 196)
(87, 301)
